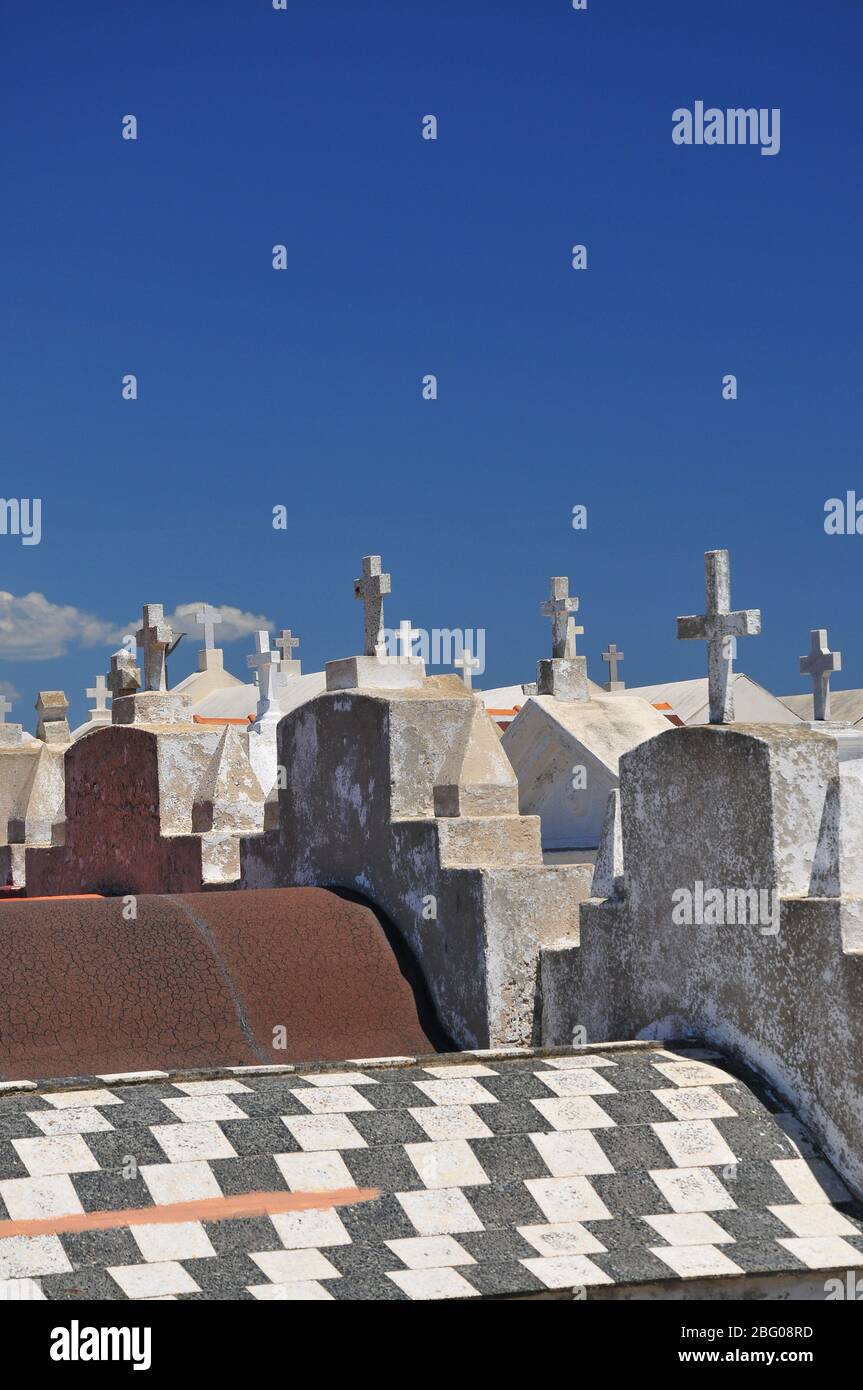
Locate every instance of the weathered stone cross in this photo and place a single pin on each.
(124, 678)
(405, 637)
(5, 708)
(51, 707)
(266, 663)
(206, 618)
(719, 627)
(156, 637)
(820, 665)
(100, 694)
(286, 643)
(560, 608)
(613, 657)
(467, 663)
(371, 589)
(287, 666)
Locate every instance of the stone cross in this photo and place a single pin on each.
(405, 638)
(820, 664)
(124, 677)
(100, 694)
(613, 657)
(266, 664)
(51, 707)
(156, 637)
(207, 617)
(560, 608)
(371, 589)
(5, 708)
(286, 643)
(467, 663)
(719, 627)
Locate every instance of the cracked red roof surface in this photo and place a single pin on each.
(198, 980)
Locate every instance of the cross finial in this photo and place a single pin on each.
(206, 617)
(51, 707)
(156, 637)
(287, 667)
(405, 637)
(371, 588)
(613, 657)
(266, 664)
(100, 694)
(560, 608)
(286, 643)
(820, 665)
(5, 708)
(467, 663)
(719, 628)
(124, 677)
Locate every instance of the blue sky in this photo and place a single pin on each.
(406, 257)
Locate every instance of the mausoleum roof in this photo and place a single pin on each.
(846, 706)
(615, 1170)
(689, 700)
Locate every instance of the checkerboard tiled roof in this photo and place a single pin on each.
(441, 1177)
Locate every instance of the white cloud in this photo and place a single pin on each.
(9, 691)
(32, 628)
(235, 623)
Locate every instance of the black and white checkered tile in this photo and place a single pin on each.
(498, 1174)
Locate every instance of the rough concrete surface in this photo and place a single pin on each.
(734, 808)
(151, 808)
(378, 783)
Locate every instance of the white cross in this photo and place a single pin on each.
(467, 663)
(5, 707)
(155, 636)
(820, 664)
(266, 664)
(405, 637)
(718, 627)
(371, 589)
(100, 694)
(206, 618)
(613, 657)
(560, 608)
